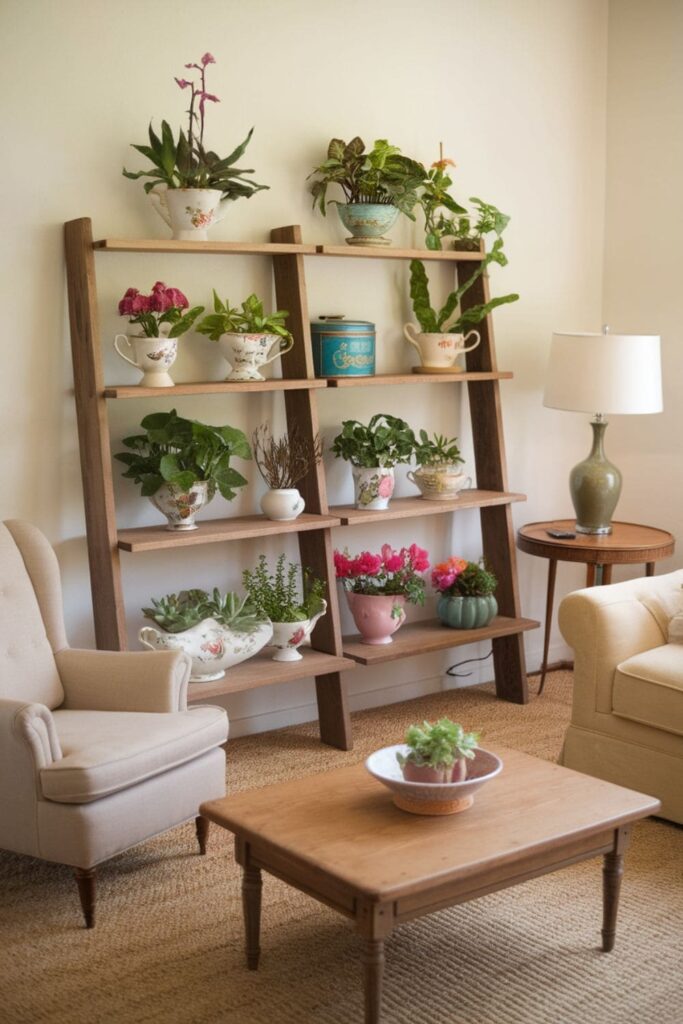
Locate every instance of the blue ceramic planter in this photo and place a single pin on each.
(343, 348)
(467, 612)
(367, 222)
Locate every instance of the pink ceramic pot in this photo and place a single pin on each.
(423, 773)
(372, 615)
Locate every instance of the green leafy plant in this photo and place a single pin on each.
(434, 199)
(385, 441)
(187, 163)
(446, 319)
(439, 745)
(177, 451)
(175, 613)
(382, 175)
(469, 230)
(277, 595)
(456, 577)
(250, 319)
(437, 451)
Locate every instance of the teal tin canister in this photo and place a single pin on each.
(343, 348)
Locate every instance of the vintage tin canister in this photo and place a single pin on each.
(343, 348)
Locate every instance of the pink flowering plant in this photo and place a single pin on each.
(187, 163)
(456, 577)
(389, 572)
(162, 306)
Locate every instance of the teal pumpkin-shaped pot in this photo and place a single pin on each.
(467, 612)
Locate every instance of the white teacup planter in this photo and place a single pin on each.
(189, 212)
(282, 504)
(438, 352)
(212, 647)
(154, 356)
(439, 482)
(247, 352)
(288, 636)
(373, 486)
(180, 505)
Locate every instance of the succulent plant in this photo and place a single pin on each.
(175, 613)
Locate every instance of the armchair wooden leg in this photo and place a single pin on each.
(85, 880)
(202, 826)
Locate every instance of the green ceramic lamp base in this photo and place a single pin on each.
(595, 486)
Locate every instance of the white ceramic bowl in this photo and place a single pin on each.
(432, 797)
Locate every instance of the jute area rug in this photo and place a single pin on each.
(168, 945)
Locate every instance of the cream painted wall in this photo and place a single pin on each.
(516, 90)
(644, 222)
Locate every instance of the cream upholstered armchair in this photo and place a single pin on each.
(98, 751)
(627, 715)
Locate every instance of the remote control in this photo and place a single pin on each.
(561, 534)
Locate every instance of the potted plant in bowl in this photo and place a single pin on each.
(437, 753)
(180, 464)
(377, 186)
(466, 590)
(217, 630)
(438, 476)
(292, 611)
(377, 588)
(248, 338)
(283, 462)
(373, 451)
(191, 186)
(162, 321)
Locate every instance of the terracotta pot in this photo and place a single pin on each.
(372, 614)
(456, 772)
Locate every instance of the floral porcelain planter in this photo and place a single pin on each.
(154, 356)
(439, 483)
(288, 636)
(377, 616)
(181, 506)
(367, 222)
(438, 352)
(373, 487)
(212, 647)
(247, 352)
(282, 504)
(189, 212)
(467, 612)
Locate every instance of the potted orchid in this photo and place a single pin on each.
(161, 319)
(191, 186)
(373, 451)
(378, 586)
(466, 590)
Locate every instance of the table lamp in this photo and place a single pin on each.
(612, 373)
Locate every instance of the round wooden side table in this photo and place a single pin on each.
(628, 543)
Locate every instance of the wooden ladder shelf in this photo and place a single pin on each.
(330, 654)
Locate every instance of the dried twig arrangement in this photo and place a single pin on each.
(283, 461)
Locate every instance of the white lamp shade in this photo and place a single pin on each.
(606, 373)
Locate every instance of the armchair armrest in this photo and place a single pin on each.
(124, 680)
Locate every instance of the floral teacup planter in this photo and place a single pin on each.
(288, 636)
(212, 647)
(247, 352)
(180, 505)
(373, 487)
(154, 356)
(189, 212)
(438, 352)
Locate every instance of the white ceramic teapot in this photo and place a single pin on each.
(438, 352)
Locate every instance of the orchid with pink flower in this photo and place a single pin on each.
(162, 306)
(187, 163)
(390, 572)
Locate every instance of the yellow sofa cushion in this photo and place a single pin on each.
(648, 688)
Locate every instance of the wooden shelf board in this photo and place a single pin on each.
(158, 245)
(261, 670)
(416, 378)
(389, 253)
(211, 531)
(405, 508)
(423, 637)
(212, 387)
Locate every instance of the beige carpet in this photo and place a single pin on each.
(168, 944)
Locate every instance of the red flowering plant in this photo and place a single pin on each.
(389, 572)
(162, 306)
(187, 163)
(456, 577)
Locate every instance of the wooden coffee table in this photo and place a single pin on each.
(338, 837)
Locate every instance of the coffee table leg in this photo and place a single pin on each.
(373, 964)
(251, 906)
(612, 873)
